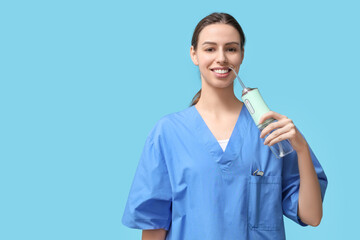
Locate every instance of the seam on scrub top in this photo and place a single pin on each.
(152, 140)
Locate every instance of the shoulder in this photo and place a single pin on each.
(171, 122)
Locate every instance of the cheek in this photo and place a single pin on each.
(205, 60)
(236, 59)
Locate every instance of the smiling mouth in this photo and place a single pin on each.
(221, 71)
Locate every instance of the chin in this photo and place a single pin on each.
(222, 85)
(219, 83)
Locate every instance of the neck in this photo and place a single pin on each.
(218, 101)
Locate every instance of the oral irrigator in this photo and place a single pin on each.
(256, 106)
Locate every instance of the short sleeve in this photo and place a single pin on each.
(149, 202)
(291, 184)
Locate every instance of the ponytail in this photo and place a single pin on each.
(195, 98)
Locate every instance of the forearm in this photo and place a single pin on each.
(310, 202)
(156, 234)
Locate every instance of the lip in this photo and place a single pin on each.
(221, 75)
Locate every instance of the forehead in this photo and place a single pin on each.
(219, 33)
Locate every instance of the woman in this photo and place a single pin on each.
(195, 176)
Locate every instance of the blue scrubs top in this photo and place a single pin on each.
(186, 184)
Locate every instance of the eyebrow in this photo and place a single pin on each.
(225, 44)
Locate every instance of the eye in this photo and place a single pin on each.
(209, 49)
(232, 49)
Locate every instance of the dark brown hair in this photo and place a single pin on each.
(212, 19)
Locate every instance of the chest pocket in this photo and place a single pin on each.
(265, 203)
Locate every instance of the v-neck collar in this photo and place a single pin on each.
(232, 150)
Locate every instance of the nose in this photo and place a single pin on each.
(221, 57)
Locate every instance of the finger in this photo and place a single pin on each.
(271, 114)
(280, 138)
(277, 133)
(274, 125)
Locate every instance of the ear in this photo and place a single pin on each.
(194, 56)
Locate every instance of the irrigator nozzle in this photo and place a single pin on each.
(245, 89)
(237, 76)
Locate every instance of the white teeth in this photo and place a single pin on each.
(221, 70)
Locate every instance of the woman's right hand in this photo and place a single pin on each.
(155, 234)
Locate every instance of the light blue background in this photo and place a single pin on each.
(83, 83)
